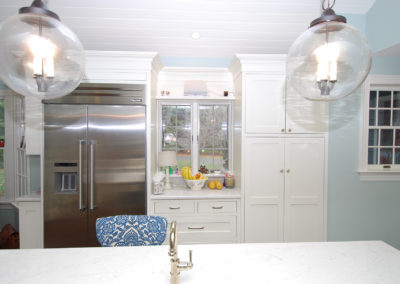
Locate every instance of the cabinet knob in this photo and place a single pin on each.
(281, 171)
(290, 130)
(283, 130)
(288, 171)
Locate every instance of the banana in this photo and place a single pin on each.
(189, 176)
(184, 172)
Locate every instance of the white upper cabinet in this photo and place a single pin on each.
(305, 116)
(264, 103)
(119, 66)
(270, 106)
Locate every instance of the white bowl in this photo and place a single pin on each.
(195, 184)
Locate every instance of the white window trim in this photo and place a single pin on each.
(366, 172)
(8, 154)
(196, 125)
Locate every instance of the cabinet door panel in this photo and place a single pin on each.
(264, 182)
(305, 116)
(30, 225)
(264, 103)
(304, 184)
(202, 229)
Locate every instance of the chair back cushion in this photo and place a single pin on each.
(131, 230)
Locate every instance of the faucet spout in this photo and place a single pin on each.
(176, 265)
(173, 240)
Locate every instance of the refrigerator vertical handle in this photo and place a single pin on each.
(91, 186)
(80, 205)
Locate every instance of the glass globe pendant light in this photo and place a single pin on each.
(39, 56)
(330, 60)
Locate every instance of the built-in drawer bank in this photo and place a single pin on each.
(194, 206)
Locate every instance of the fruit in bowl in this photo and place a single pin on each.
(195, 182)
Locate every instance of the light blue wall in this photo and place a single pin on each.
(383, 24)
(386, 65)
(2, 86)
(359, 210)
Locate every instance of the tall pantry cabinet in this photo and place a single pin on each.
(283, 147)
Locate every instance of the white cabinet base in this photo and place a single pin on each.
(30, 225)
(201, 221)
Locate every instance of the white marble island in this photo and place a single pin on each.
(336, 262)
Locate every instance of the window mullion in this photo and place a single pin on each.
(195, 137)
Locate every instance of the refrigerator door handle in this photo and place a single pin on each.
(91, 186)
(80, 205)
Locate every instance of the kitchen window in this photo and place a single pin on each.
(2, 141)
(381, 131)
(200, 133)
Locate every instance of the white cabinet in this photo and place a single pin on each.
(305, 116)
(304, 189)
(30, 224)
(264, 103)
(264, 188)
(284, 189)
(33, 123)
(270, 106)
(201, 221)
(119, 67)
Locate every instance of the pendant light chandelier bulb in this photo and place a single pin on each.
(39, 55)
(328, 61)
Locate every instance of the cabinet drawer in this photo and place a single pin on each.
(197, 230)
(217, 207)
(174, 206)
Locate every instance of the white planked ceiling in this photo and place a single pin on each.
(226, 27)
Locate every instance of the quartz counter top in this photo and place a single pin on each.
(336, 262)
(205, 193)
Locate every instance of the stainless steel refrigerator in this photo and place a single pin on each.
(94, 160)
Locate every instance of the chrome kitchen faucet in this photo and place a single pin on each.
(176, 265)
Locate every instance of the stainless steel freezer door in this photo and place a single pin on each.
(65, 224)
(116, 162)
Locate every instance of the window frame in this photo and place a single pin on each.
(2, 148)
(375, 172)
(9, 98)
(195, 121)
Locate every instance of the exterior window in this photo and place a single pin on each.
(2, 141)
(380, 158)
(177, 132)
(198, 132)
(384, 128)
(214, 143)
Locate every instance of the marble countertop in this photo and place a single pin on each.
(205, 193)
(335, 262)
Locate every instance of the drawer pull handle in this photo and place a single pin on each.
(175, 208)
(196, 228)
(217, 207)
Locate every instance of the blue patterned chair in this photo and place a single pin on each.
(131, 230)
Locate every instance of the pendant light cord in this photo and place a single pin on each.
(330, 6)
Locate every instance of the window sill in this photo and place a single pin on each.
(379, 175)
(206, 175)
(228, 98)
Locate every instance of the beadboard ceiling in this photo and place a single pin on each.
(226, 27)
